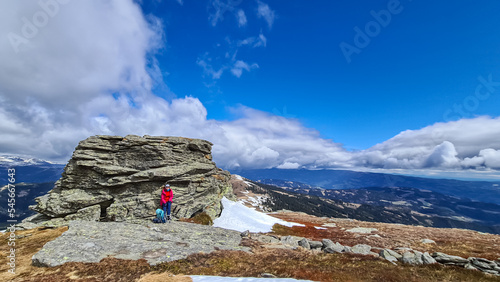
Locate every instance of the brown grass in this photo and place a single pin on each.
(459, 242)
(321, 267)
(298, 264)
(202, 218)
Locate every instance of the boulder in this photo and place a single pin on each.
(327, 243)
(483, 264)
(121, 178)
(412, 258)
(427, 241)
(388, 256)
(361, 249)
(315, 244)
(335, 248)
(448, 259)
(362, 230)
(304, 243)
(428, 259)
(291, 241)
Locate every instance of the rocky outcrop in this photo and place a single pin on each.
(402, 255)
(140, 239)
(117, 178)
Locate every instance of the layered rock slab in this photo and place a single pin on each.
(123, 176)
(92, 241)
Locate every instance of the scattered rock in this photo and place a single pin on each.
(327, 243)
(361, 249)
(304, 243)
(315, 244)
(268, 275)
(428, 259)
(448, 259)
(291, 241)
(245, 234)
(266, 239)
(427, 241)
(388, 256)
(362, 230)
(335, 248)
(483, 264)
(329, 225)
(412, 258)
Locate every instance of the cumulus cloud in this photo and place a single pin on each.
(466, 143)
(70, 80)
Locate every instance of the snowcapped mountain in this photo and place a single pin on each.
(29, 170)
(10, 161)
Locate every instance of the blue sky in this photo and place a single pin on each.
(425, 60)
(388, 86)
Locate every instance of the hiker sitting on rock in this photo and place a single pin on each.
(166, 200)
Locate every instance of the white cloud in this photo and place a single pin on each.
(241, 17)
(239, 66)
(259, 41)
(458, 144)
(218, 8)
(288, 165)
(71, 81)
(265, 12)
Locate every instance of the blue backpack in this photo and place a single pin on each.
(160, 216)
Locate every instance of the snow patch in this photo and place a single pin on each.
(320, 228)
(235, 216)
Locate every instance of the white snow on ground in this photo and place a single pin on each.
(320, 228)
(197, 278)
(238, 177)
(236, 216)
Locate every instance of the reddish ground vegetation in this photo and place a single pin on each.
(459, 242)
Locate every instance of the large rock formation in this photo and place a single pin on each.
(117, 178)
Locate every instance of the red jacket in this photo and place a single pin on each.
(166, 196)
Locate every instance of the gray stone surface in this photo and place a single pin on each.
(388, 256)
(291, 241)
(448, 259)
(335, 248)
(315, 244)
(327, 243)
(427, 241)
(428, 259)
(92, 213)
(267, 239)
(362, 230)
(123, 177)
(87, 241)
(361, 249)
(304, 243)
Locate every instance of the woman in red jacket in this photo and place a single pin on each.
(166, 200)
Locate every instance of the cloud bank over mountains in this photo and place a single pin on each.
(89, 68)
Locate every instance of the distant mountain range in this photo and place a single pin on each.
(481, 191)
(29, 170)
(380, 210)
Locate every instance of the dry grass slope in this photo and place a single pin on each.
(299, 264)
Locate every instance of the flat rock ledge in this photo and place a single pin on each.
(140, 239)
